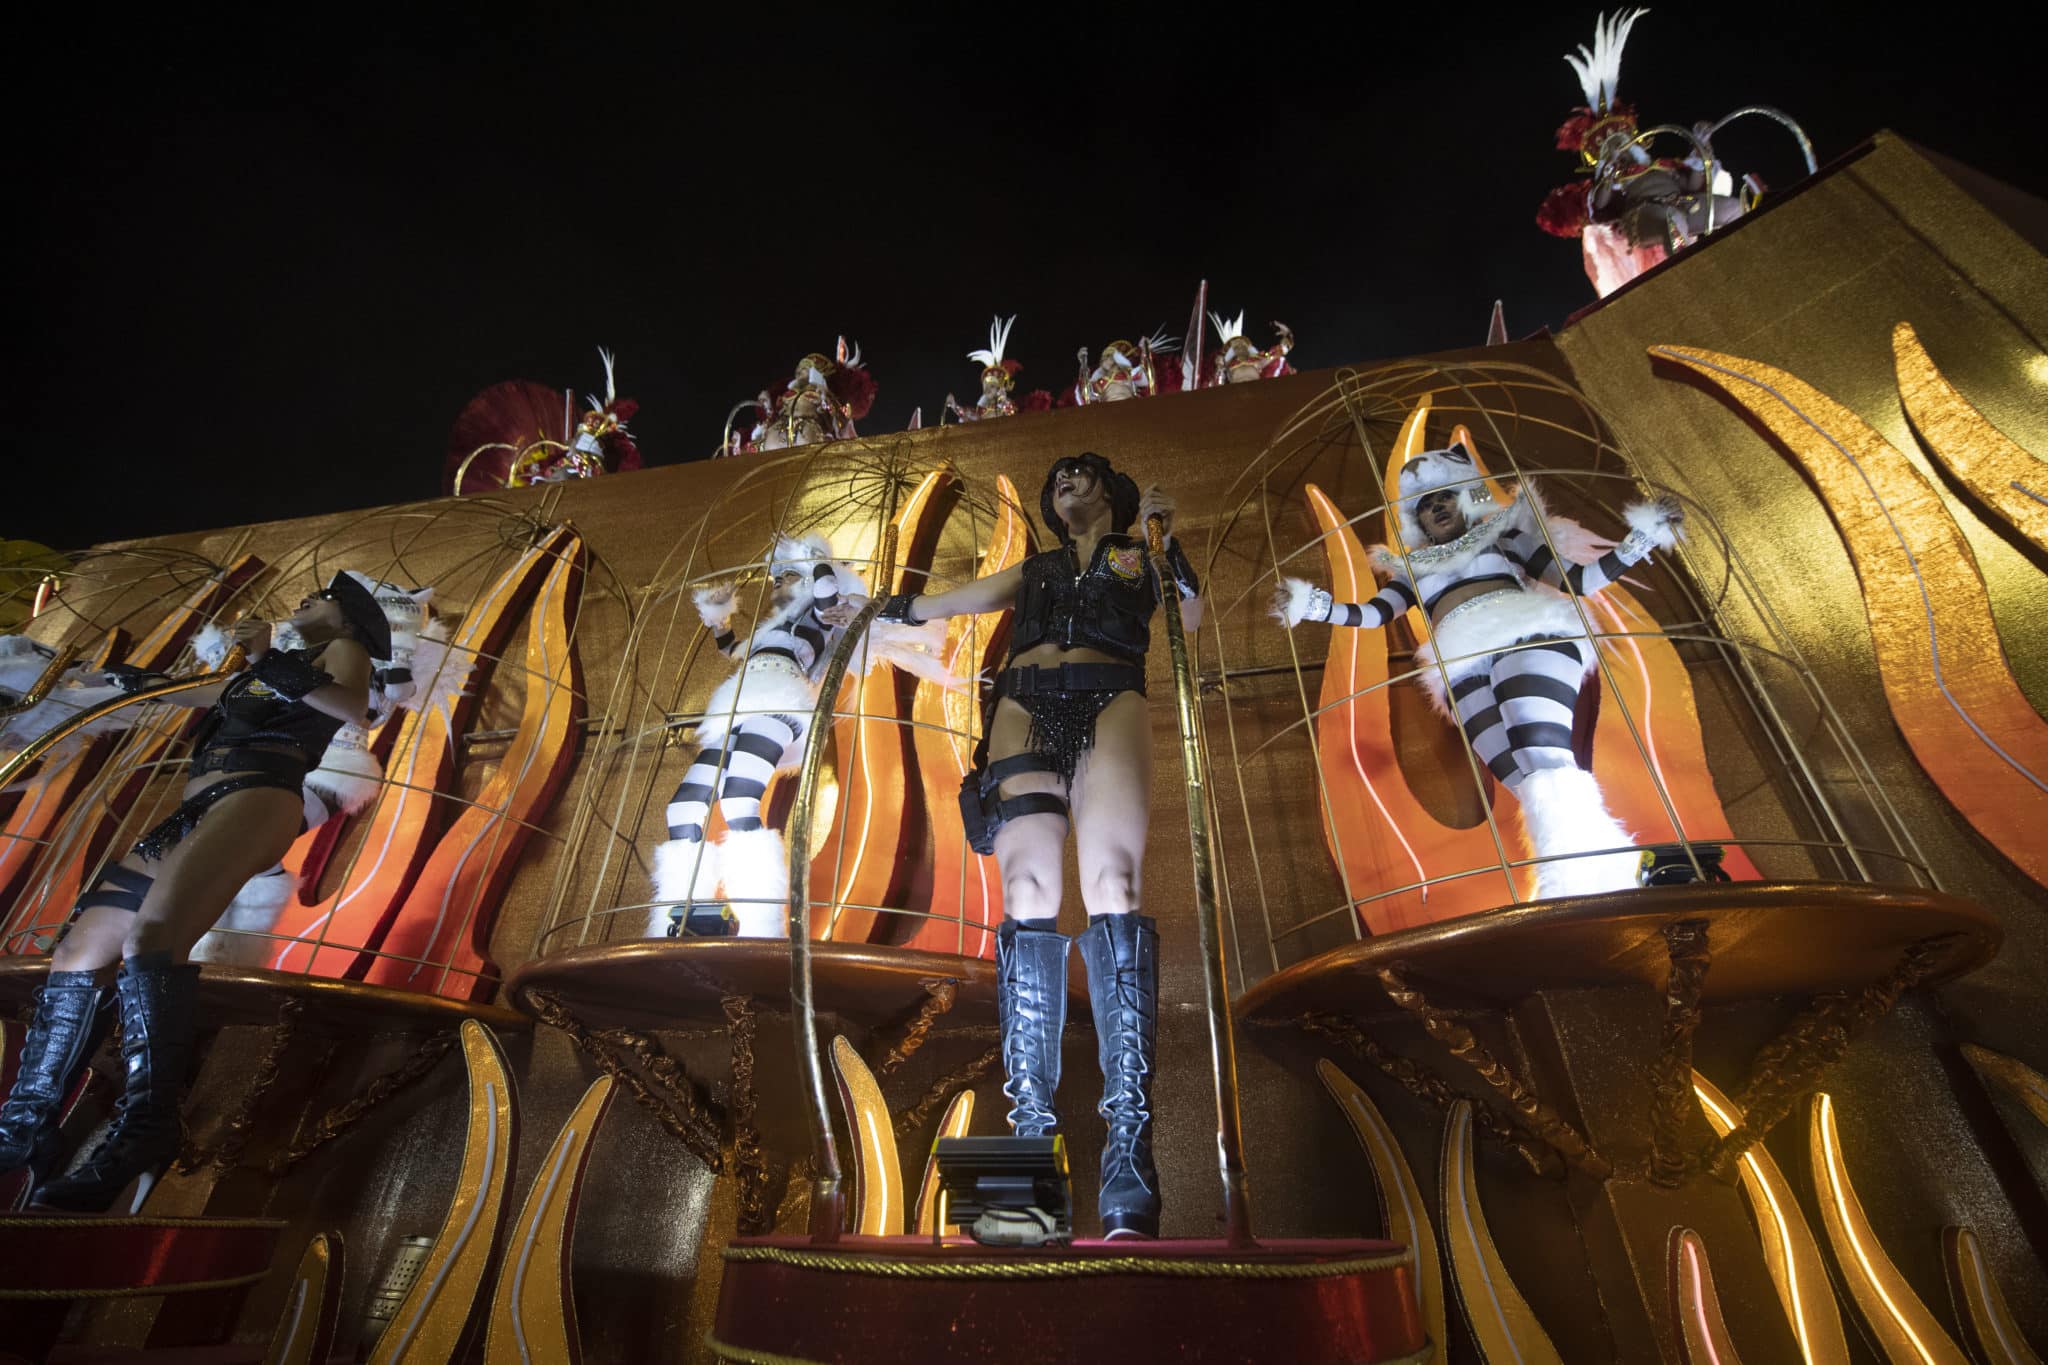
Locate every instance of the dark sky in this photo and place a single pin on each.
(264, 265)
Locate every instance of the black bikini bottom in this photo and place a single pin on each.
(280, 773)
(1064, 702)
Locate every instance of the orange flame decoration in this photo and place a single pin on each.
(1944, 671)
(1381, 835)
(329, 938)
(863, 857)
(446, 919)
(2006, 477)
(53, 794)
(966, 886)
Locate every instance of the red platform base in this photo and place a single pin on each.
(865, 1300)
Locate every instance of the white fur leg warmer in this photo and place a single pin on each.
(755, 870)
(1563, 813)
(253, 911)
(685, 872)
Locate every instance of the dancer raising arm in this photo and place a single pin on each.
(1511, 642)
(1068, 740)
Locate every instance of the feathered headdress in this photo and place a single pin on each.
(1598, 68)
(1227, 332)
(842, 375)
(603, 436)
(1124, 356)
(992, 358)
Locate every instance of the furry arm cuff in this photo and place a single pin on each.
(1297, 600)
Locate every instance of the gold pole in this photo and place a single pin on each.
(44, 684)
(51, 738)
(828, 1193)
(1237, 1213)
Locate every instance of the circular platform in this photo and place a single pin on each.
(1767, 938)
(252, 995)
(870, 1299)
(661, 983)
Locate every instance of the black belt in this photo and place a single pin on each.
(226, 759)
(1029, 680)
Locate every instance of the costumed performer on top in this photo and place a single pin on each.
(1510, 642)
(242, 806)
(1068, 732)
(998, 378)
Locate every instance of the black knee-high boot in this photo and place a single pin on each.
(69, 1022)
(1121, 953)
(157, 999)
(1031, 1009)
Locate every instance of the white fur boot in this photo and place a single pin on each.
(756, 874)
(253, 911)
(685, 873)
(1563, 812)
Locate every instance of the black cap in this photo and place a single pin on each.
(359, 608)
(1122, 489)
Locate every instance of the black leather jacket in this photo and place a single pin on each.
(1108, 606)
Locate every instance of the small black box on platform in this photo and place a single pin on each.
(1667, 865)
(1007, 1191)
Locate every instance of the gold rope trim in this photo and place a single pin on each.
(49, 1220)
(1068, 1269)
(744, 1356)
(148, 1291)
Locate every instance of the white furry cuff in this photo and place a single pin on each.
(713, 609)
(1299, 601)
(1650, 528)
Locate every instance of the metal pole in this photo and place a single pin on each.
(1237, 1215)
(828, 1194)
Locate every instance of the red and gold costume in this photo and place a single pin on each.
(823, 399)
(519, 433)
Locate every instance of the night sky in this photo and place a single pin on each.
(264, 266)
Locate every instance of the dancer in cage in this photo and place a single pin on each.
(1068, 729)
(1510, 641)
(265, 730)
(755, 726)
(349, 775)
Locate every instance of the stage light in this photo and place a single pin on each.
(1007, 1191)
(1668, 865)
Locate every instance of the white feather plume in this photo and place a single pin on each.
(1599, 68)
(1162, 343)
(998, 340)
(1227, 332)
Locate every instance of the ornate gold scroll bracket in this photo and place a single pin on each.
(659, 1084)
